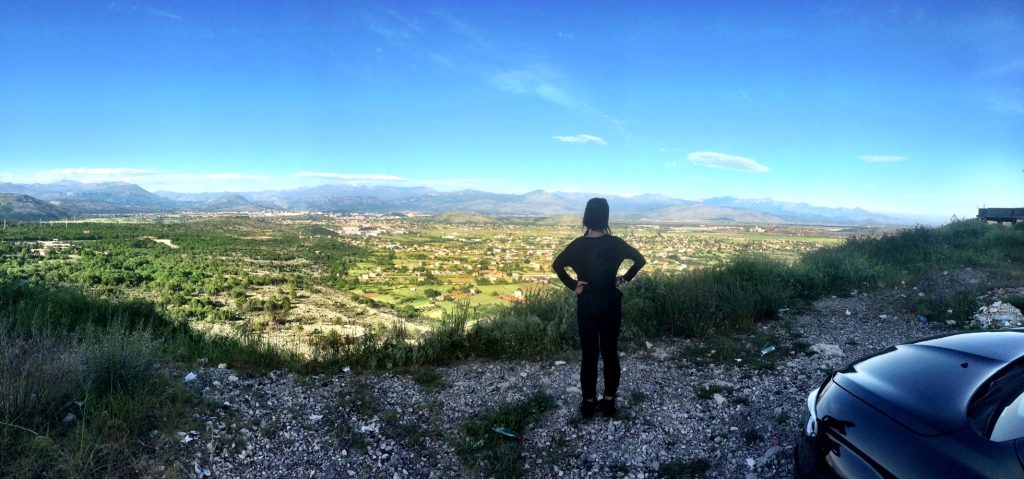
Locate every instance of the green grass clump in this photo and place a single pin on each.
(83, 382)
(959, 306)
(491, 455)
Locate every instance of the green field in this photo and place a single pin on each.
(301, 274)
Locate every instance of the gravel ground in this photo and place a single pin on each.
(390, 426)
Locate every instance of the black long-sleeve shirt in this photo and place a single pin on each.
(596, 260)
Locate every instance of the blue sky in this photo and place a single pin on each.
(897, 107)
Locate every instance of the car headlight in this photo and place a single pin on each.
(811, 429)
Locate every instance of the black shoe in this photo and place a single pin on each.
(587, 408)
(607, 407)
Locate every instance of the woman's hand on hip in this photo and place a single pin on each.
(579, 286)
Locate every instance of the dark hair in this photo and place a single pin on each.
(595, 217)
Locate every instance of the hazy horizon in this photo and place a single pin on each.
(902, 109)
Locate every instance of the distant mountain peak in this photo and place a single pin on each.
(120, 197)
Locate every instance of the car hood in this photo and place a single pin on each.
(926, 385)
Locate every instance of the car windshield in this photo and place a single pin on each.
(997, 409)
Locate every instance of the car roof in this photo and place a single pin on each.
(926, 385)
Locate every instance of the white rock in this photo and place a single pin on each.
(232, 378)
(315, 417)
(848, 312)
(828, 350)
(222, 366)
(751, 462)
(200, 470)
(772, 451)
(191, 376)
(70, 418)
(719, 399)
(1003, 314)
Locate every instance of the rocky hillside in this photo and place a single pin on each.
(687, 408)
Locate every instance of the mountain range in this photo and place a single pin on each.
(72, 199)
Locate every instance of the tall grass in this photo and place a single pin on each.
(82, 379)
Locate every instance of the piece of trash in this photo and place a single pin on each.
(559, 363)
(951, 322)
(203, 360)
(847, 312)
(949, 311)
(191, 376)
(648, 344)
(751, 462)
(505, 432)
(883, 316)
(222, 366)
(315, 417)
(767, 350)
(346, 369)
(70, 418)
(922, 319)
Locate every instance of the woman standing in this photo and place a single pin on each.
(595, 258)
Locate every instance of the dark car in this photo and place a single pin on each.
(950, 406)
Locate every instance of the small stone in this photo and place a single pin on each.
(70, 418)
(191, 376)
(719, 399)
(232, 378)
(315, 417)
(222, 366)
(828, 350)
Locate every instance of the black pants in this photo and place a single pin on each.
(599, 331)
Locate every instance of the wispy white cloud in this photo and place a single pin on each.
(581, 138)
(149, 178)
(712, 159)
(351, 176)
(882, 158)
(1006, 103)
(71, 173)
(566, 35)
(156, 12)
(671, 164)
(1013, 67)
(534, 81)
(230, 176)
